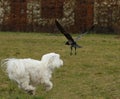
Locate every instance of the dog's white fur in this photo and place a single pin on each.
(29, 72)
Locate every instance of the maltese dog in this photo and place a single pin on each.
(29, 72)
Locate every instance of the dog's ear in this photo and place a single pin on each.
(50, 61)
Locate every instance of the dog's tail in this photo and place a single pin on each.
(4, 64)
(11, 65)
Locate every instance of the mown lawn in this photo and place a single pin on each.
(94, 73)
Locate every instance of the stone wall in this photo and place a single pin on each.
(34, 13)
(69, 13)
(107, 14)
(4, 12)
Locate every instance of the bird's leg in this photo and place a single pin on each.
(75, 51)
(71, 50)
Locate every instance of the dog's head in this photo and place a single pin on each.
(52, 60)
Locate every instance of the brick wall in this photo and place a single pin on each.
(39, 15)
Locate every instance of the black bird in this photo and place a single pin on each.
(70, 41)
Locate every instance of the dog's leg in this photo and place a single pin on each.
(28, 88)
(48, 85)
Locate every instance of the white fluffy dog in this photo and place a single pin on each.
(29, 72)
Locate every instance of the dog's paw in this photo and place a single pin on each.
(49, 86)
(31, 92)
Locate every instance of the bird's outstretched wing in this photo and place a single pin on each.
(61, 29)
(83, 33)
(79, 37)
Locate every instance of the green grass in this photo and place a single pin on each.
(94, 73)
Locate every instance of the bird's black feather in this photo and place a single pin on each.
(67, 35)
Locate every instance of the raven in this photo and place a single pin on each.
(70, 41)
